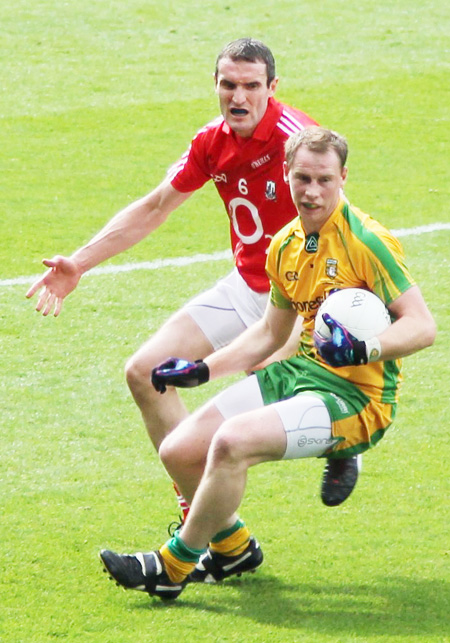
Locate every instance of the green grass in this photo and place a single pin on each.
(87, 88)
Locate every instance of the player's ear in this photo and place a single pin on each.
(285, 172)
(273, 85)
(344, 174)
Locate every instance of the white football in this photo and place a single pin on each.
(361, 312)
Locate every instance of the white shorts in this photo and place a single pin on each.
(224, 311)
(305, 417)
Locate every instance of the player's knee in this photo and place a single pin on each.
(175, 454)
(169, 453)
(227, 446)
(137, 372)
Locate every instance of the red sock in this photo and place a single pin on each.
(181, 502)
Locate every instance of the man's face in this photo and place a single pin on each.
(315, 181)
(243, 94)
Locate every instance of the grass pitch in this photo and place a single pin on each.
(99, 99)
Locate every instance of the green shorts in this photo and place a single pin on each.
(358, 422)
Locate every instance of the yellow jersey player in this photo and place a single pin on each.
(330, 400)
(351, 251)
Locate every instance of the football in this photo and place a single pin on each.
(361, 312)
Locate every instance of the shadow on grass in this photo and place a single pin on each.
(386, 606)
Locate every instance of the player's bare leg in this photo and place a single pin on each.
(185, 450)
(214, 471)
(209, 458)
(181, 337)
(239, 443)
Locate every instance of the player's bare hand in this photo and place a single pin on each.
(58, 282)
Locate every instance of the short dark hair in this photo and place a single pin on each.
(316, 139)
(250, 50)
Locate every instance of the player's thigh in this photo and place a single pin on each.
(224, 311)
(193, 436)
(307, 425)
(305, 421)
(299, 427)
(189, 442)
(179, 336)
(202, 424)
(250, 430)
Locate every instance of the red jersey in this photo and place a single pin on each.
(248, 174)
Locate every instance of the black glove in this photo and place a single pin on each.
(342, 348)
(179, 372)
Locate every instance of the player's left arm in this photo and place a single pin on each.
(413, 329)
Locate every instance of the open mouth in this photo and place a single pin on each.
(310, 206)
(238, 112)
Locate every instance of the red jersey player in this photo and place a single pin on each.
(248, 174)
(242, 152)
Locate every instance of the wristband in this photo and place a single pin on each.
(373, 349)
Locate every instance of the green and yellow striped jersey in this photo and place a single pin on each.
(352, 250)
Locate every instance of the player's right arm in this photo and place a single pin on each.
(124, 230)
(255, 344)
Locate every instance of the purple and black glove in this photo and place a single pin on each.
(342, 348)
(179, 372)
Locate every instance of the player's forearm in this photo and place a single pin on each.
(130, 225)
(407, 336)
(255, 345)
(234, 359)
(413, 329)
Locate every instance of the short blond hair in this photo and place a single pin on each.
(316, 139)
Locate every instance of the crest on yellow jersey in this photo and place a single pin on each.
(331, 268)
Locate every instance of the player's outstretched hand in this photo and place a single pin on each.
(179, 372)
(342, 348)
(55, 284)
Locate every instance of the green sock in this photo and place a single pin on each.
(181, 551)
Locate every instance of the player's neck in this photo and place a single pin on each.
(242, 140)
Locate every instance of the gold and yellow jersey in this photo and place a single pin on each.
(352, 250)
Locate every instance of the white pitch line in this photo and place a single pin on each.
(421, 229)
(157, 264)
(129, 267)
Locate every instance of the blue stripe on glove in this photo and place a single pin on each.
(179, 372)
